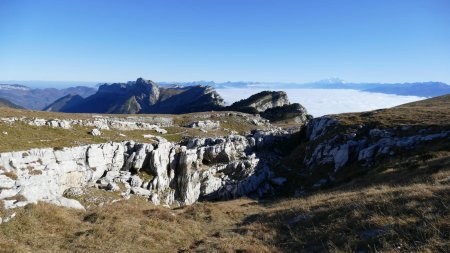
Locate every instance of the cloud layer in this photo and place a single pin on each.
(320, 102)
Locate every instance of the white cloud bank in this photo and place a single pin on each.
(320, 102)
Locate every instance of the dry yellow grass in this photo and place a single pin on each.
(391, 209)
(429, 112)
(21, 136)
(128, 226)
(399, 205)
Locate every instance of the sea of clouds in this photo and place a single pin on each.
(320, 102)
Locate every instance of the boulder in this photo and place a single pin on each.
(96, 132)
(260, 102)
(205, 124)
(294, 111)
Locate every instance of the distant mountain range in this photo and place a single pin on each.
(146, 96)
(421, 89)
(38, 99)
(142, 96)
(115, 98)
(6, 103)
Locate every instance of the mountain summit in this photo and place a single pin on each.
(145, 96)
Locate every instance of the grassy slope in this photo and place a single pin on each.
(386, 215)
(429, 112)
(401, 205)
(22, 136)
(8, 104)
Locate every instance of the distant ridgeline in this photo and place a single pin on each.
(6, 103)
(38, 99)
(145, 96)
(421, 89)
(141, 96)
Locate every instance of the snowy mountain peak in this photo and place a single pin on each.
(331, 80)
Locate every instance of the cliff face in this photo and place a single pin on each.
(205, 168)
(272, 105)
(144, 96)
(294, 111)
(261, 101)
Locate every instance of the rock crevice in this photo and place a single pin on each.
(181, 174)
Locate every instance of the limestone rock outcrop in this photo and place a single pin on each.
(143, 96)
(261, 101)
(272, 105)
(331, 146)
(181, 174)
(205, 124)
(293, 111)
(100, 123)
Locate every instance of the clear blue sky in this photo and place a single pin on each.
(252, 40)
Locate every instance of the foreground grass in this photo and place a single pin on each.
(391, 209)
(127, 226)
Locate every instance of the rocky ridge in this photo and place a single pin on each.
(295, 112)
(205, 124)
(38, 99)
(102, 123)
(334, 149)
(202, 168)
(272, 105)
(261, 101)
(146, 96)
(142, 96)
(363, 144)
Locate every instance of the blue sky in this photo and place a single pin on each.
(252, 40)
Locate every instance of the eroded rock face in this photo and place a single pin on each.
(272, 105)
(332, 146)
(261, 101)
(293, 111)
(44, 174)
(202, 168)
(143, 96)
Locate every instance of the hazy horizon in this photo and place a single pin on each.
(64, 84)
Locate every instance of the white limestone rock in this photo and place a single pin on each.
(205, 125)
(135, 181)
(140, 191)
(6, 182)
(73, 192)
(96, 132)
(65, 202)
(154, 198)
